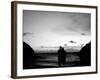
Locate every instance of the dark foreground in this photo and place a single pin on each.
(50, 60)
(32, 60)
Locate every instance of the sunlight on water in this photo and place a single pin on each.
(55, 49)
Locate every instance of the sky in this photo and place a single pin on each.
(51, 28)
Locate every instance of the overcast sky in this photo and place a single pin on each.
(50, 28)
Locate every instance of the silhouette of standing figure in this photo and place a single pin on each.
(61, 56)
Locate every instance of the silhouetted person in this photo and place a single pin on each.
(61, 56)
(28, 56)
(85, 55)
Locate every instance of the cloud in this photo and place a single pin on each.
(83, 34)
(27, 33)
(75, 24)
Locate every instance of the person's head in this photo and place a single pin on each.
(60, 47)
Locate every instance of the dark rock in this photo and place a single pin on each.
(85, 55)
(28, 56)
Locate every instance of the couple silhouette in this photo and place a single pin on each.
(61, 56)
